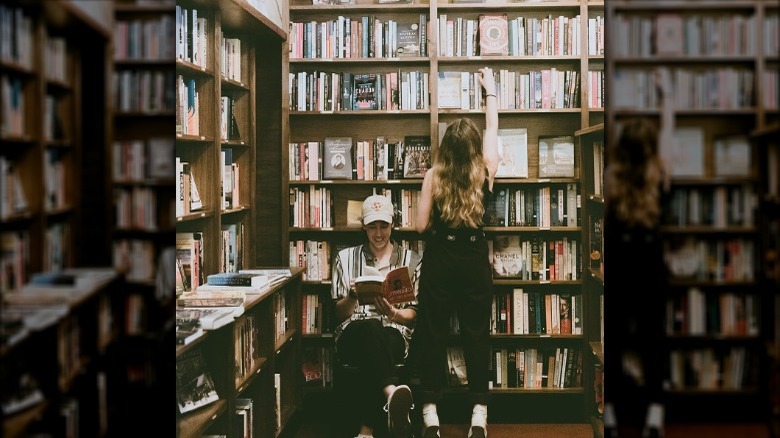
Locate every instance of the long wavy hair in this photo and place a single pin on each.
(459, 171)
(633, 175)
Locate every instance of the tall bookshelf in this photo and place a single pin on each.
(140, 169)
(426, 118)
(746, 71)
(243, 359)
(235, 163)
(47, 118)
(592, 146)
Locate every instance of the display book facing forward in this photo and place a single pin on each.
(396, 287)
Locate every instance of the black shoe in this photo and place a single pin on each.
(652, 432)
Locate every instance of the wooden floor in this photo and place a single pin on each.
(575, 431)
(494, 431)
(747, 430)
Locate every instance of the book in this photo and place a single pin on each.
(687, 152)
(669, 34)
(456, 366)
(508, 259)
(237, 279)
(188, 326)
(225, 297)
(556, 156)
(209, 318)
(194, 386)
(596, 242)
(417, 155)
(493, 34)
(408, 39)
(396, 287)
(364, 89)
(512, 153)
(732, 155)
(449, 92)
(337, 158)
(354, 212)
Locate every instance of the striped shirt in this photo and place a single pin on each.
(350, 264)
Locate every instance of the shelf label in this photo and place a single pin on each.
(327, 228)
(544, 281)
(393, 58)
(326, 112)
(544, 228)
(544, 180)
(544, 336)
(475, 110)
(202, 137)
(476, 58)
(393, 181)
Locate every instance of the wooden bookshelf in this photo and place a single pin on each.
(140, 169)
(274, 348)
(592, 148)
(62, 357)
(731, 113)
(317, 123)
(238, 59)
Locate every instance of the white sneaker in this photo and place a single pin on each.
(478, 422)
(398, 405)
(430, 421)
(362, 435)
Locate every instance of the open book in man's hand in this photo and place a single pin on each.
(396, 287)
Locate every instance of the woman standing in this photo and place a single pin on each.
(456, 272)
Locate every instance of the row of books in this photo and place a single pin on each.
(12, 198)
(536, 367)
(191, 34)
(188, 198)
(718, 207)
(725, 314)
(535, 258)
(674, 34)
(536, 89)
(717, 260)
(145, 91)
(135, 258)
(363, 37)
(377, 159)
(149, 38)
(710, 368)
(521, 313)
(554, 205)
(17, 36)
(347, 91)
(494, 34)
(713, 88)
(141, 159)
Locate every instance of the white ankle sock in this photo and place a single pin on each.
(655, 416)
(430, 416)
(479, 415)
(609, 415)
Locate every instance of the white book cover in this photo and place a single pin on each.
(512, 153)
(732, 156)
(687, 152)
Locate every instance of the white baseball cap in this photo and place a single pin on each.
(377, 208)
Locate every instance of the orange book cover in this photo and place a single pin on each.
(396, 286)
